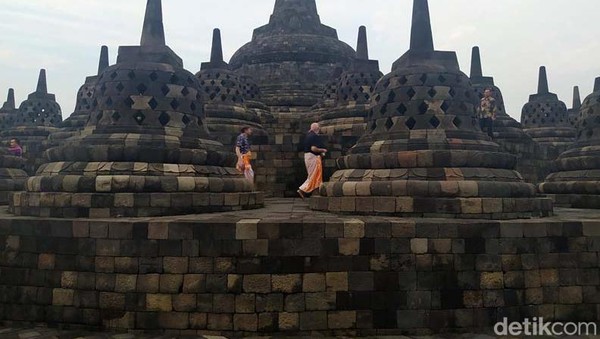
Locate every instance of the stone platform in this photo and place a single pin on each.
(286, 270)
(101, 205)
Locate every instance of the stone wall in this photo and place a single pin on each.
(336, 276)
(534, 161)
(279, 166)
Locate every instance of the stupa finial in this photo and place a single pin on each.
(421, 38)
(476, 69)
(576, 98)
(103, 63)
(362, 47)
(153, 32)
(42, 86)
(543, 81)
(216, 53)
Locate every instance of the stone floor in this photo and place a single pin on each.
(296, 210)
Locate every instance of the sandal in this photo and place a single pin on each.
(301, 194)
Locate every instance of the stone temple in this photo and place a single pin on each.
(423, 153)
(344, 120)
(576, 179)
(574, 111)
(84, 104)
(425, 225)
(12, 175)
(293, 56)
(8, 111)
(145, 150)
(545, 117)
(505, 127)
(532, 159)
(36, 118)
(224, 100)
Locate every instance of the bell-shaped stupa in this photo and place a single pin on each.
(8, 111)
(505, 127)
(37, 118)
(224, 102)
(576, 178)
(145, 150)
(76, 122)
(545, 117)
(12, 175)
(293, 57)
(344, 121)
(508, 132)
(347, 119)
(424, 153)
(40, 108)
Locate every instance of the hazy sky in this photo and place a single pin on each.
(515, 36)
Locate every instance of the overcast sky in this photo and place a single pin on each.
(515, 36)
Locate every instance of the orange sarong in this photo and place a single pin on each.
(246, 167)
(314, 167)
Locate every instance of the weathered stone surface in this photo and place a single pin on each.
(12, 175)
(146, 132)
(472, 267)
(36, 118)
(532, 160)
(421, 131)
(8, 111)
(83, 106)
(224, 101)
(575, 110)
(575, 181)
(545, 117)
(294, 56)
(40, 108)
(343, 112)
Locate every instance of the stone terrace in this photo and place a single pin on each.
(291, 271)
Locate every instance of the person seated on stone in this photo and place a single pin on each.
(314, 151)
(242, 149)
(487, 112)
(15, 148)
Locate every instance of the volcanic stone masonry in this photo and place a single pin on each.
(424, 153)
(508, 132)
(345, 122)
(145, 150)
(293, 56)
(546, 120)
(76, 122)
(574, 111)
(223, 96)
(36, 118)
(326, 276)
(8, 111)
(12, 174)
(576, 179)
(145, 153)
(292, 60)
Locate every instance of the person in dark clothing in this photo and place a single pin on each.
(314, 150)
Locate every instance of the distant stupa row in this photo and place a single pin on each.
(407, 139)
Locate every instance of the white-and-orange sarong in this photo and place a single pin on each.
(314, 167)
(246, 167)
